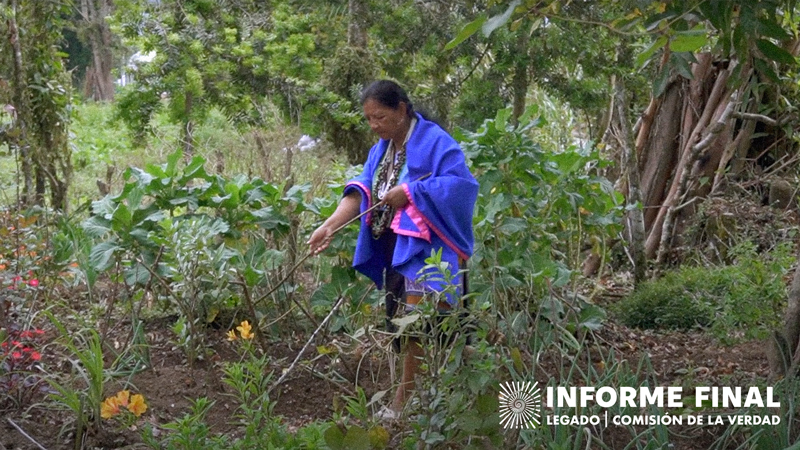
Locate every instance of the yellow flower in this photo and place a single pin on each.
(109, 408)
(123, 397)
(244, 329)
(231, 335)
(137, 405)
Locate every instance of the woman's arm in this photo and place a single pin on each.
(348, 209)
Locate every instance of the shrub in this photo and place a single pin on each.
(740, 300)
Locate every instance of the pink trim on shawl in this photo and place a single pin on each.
(423, 233)
(367, 192)
(418, 215)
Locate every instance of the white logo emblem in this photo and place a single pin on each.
(520, 405)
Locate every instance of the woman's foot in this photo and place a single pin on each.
(387, 414)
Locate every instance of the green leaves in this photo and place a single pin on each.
(689, 41)
(499, 20)
(535, 208)
(486, 25)
(157, 198)
(468, 30)
(775, 53)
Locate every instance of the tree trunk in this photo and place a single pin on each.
(99, 79)
(356, 27)
(21, 103)
(703, 150)
(634, 216)
(676, 154)
(346, 72)
(519, 83)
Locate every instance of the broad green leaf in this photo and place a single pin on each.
(137, 274)
(143, 178)
(100, 256)
(592, 317)
(378, 437)
(487, 404)
(155, 171)
(649, 51)
(356, 438)
(682, 65)
(468, 30)
(688, 42)
(405, 321)
(499, 20)
(660, 83)
(771, 29)
(195, 169)
(334, 437)
(121, 220)
(774, 52)
(765, 68)
(104, 207)
(232, 199)
(172, 162)
(96, 226)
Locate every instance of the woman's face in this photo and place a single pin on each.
(386, 122)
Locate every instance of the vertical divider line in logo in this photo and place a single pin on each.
(520, 404)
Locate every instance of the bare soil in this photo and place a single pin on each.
(309, 392)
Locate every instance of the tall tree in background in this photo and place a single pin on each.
(96, 33)
(35, 89)
(346, 73)
(717, 70)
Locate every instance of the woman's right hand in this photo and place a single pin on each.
(320, 238)
(348, 209)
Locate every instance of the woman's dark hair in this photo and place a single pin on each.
(387, 93)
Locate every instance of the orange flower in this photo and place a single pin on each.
(137, 405)
(244, 328)
(231, 335)
(123, 397)
(109, 408)
(2, 267)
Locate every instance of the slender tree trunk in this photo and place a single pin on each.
(264, 152)
(785, 358)
(519, 84)
(99, 79)
(188, 128)
(21, 103)
(634, 216)
(356, 27)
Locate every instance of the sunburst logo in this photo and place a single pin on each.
(520, 405)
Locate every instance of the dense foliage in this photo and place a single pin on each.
(207, 195)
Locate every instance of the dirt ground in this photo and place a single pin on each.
(309, 391)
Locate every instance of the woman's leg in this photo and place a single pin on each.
(411, 363)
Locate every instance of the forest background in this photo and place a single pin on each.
(164, 161)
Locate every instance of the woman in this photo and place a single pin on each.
(419, 175)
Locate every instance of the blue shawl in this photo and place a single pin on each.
(437, 217)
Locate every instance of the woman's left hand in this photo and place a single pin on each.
(396, 197)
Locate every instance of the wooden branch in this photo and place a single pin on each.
(27, 436)
(756, 117)
(310, 340)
